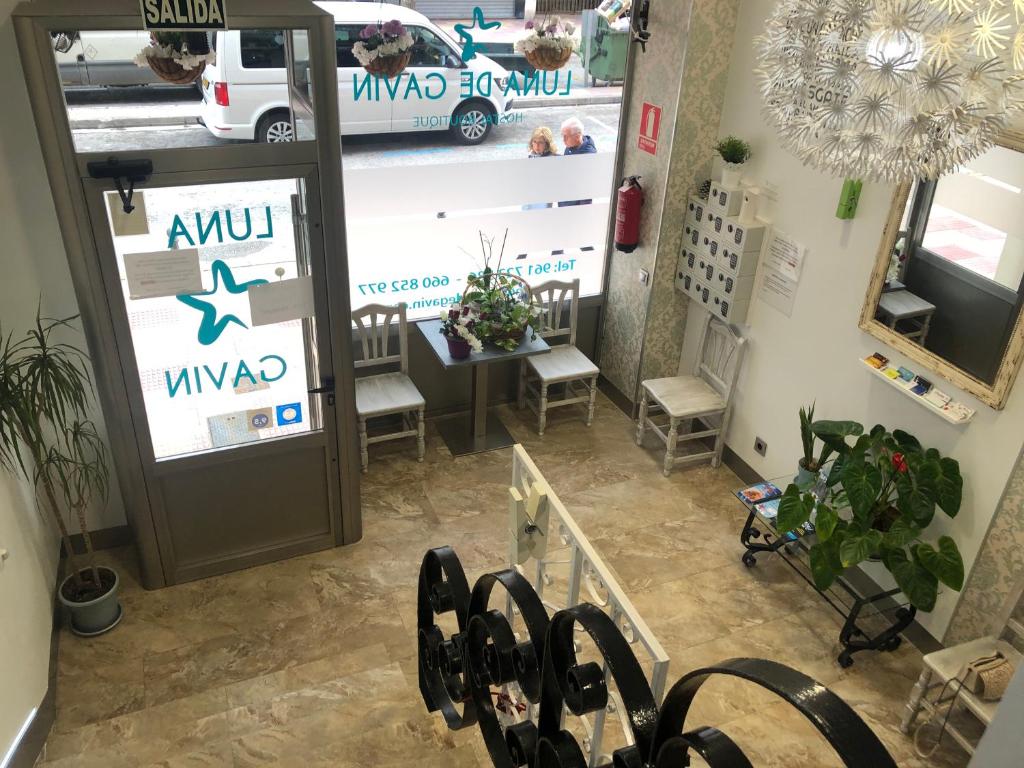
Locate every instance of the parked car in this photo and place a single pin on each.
(104, 58)
(245, 94)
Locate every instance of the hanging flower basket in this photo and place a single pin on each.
(549, 45)
(176, 57)
(170, 71)
(384, 50)
(389, 66)
(547, 58)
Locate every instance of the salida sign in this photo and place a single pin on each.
(183, 14)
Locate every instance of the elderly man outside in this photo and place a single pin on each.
(576, 142)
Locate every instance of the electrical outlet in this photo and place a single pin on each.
(643, 277)
(760, 446)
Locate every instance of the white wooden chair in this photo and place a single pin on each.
(704, 397)
(386, 394)
(564, 364)
(945, 667)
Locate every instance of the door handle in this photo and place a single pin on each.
(326, 389)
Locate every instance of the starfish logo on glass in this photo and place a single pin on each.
(210, 325)
(469, 47)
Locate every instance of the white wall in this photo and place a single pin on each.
(815, 354)
(32, 264)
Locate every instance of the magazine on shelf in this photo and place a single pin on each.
(755, 494)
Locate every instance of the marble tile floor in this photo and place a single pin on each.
(311, 662)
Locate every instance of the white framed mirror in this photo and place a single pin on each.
(948, 283)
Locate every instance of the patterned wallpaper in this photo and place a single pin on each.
(997, 578)
(686, 64)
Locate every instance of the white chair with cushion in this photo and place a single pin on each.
(564, 364)
(386, 394)
(704, 397)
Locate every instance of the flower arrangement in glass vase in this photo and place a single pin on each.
(457, 326)
(384, 49)
(177, 57)
(501, 300)
(548, 45)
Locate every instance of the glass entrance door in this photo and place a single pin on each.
(217, 289)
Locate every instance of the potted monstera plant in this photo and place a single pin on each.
(45, 434)
(879, 498)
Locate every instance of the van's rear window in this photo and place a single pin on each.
(262, 48)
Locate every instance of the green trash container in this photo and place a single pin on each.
(602, 50)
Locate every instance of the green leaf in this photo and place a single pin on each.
(825, 521)
(794, 509)
(862, 482)
(835, 472)
(916, 490)
(949, 486)
(945, 563)
(916, 582)
(900, 534)
(821, 568)
(857, 548)
(906, 441)
(834, 433)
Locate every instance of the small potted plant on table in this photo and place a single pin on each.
(45, 434)
(457, 326)
(501, 300)
(809, 466)
(735, 152)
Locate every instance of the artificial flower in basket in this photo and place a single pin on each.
(457, 325)
(549, 44)
(504, 306)
(177, 57)
(384, 50)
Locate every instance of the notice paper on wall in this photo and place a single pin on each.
(782, 264)
(126, 224)
(282, 301)
(163, 273)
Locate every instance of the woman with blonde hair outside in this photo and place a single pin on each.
(542, 143)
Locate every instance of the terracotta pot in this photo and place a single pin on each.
(458, 348)
(171, 71)
(389, 66)
(548, 58)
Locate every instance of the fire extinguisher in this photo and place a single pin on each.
(627, 214)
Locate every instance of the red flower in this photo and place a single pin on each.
(899, 463)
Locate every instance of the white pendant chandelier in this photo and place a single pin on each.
(892, 90)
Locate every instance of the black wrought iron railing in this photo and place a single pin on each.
(459, 675)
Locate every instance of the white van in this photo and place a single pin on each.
(245, 94)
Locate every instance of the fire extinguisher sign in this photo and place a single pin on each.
(650, 127)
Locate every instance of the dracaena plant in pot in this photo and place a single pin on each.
(46, 435)
(879, 498)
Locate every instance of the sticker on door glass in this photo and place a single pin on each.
(128, 224)
(282, 301)
(162, 273)
(259, 418)
(289, 414)
(228, 429)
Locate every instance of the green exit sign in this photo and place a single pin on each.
(159, 15)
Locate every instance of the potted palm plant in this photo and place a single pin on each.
(735, 152)
(880, 496)
(45, 435)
